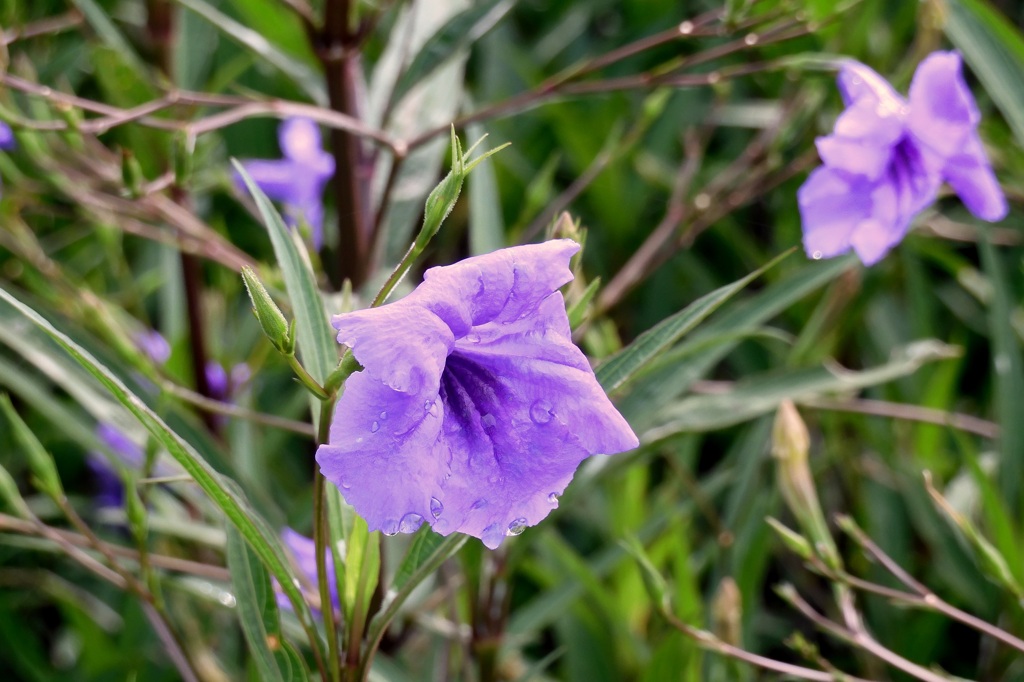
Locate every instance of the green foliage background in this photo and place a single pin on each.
(721, 162)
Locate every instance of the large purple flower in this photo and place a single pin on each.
(474, 408)
(888, 156)
(298, 179)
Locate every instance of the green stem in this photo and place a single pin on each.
(398, 273)
(308, 381)
(320, 540)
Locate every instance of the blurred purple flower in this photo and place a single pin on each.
(217, 380)
(303, 550)
(474, 408)
(6, 137)
(109, 488)
(888, 156)
(298, 179)
(153, 345)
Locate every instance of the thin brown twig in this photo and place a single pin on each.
(48, 26)
(917, 413)
(61, 536)
(232, 410)
(709, 641)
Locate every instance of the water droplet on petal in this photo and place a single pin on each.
(390, 528)
(346, 486)
(816, 255)
(436, 507)
(488, 420)
(410, 523)
(553, 498)
(383, 415)
(479, 504)
(427, 404)
(441, 525)
(374, 427)
(540, 412)
(493, 535)
(517, 526)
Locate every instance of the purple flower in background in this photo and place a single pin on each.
(474, 408)
(217, 380)
(109, 488)
(6, 137)
(303, 550)
(154, 345)
(298, 179)
(888, 156)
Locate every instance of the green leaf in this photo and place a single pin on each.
(317, 347)
(994, 49)
(460, 32)
(306, 78)
(1008, 377)
(257, 607)
(486, 227)
(753, 397)
(663, 382)
(109, 33)
(428, 551)
(618, 369)
(235, 507)
(39, 460)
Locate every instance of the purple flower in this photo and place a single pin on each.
(153, 345)
(303, 550)
(217, 380)
(109, 488)
(298, 179)
(474, 408)
(888, 156)
(6, 137)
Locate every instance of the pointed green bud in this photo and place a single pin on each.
(790, 446)
(182, 154)
(443, 198)
(44, 470)
(654, 582)
(727, 612)
(73, 117)
(794, 541)
(131, 174)
(270, 317)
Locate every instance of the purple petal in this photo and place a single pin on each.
(121, 445)
(153, 345)
(299, 139)
(303, 551)
(275, 178)
(6, 137)
(831, 203)
(475, 407)
(217, 380)
(108, 485)
(942, 110)
(971, 177)
(858, 81)
(864, 137)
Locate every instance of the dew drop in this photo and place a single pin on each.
(540, 411)
(479, 504)
(427, 404)
(493, 535)
(383, 415)
(346, 486)
(517, 526)
(410, 523)
(436, 507)
(751, 39)
(816, 255)
(553, 498)
(374, 427)
(390, 528)
(686, 28)
(441, 525)
(488, 420)
(856, 81)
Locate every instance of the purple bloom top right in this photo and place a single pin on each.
(887, 157)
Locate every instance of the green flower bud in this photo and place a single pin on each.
(44, 470)
(131, 174)
(270, 317)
